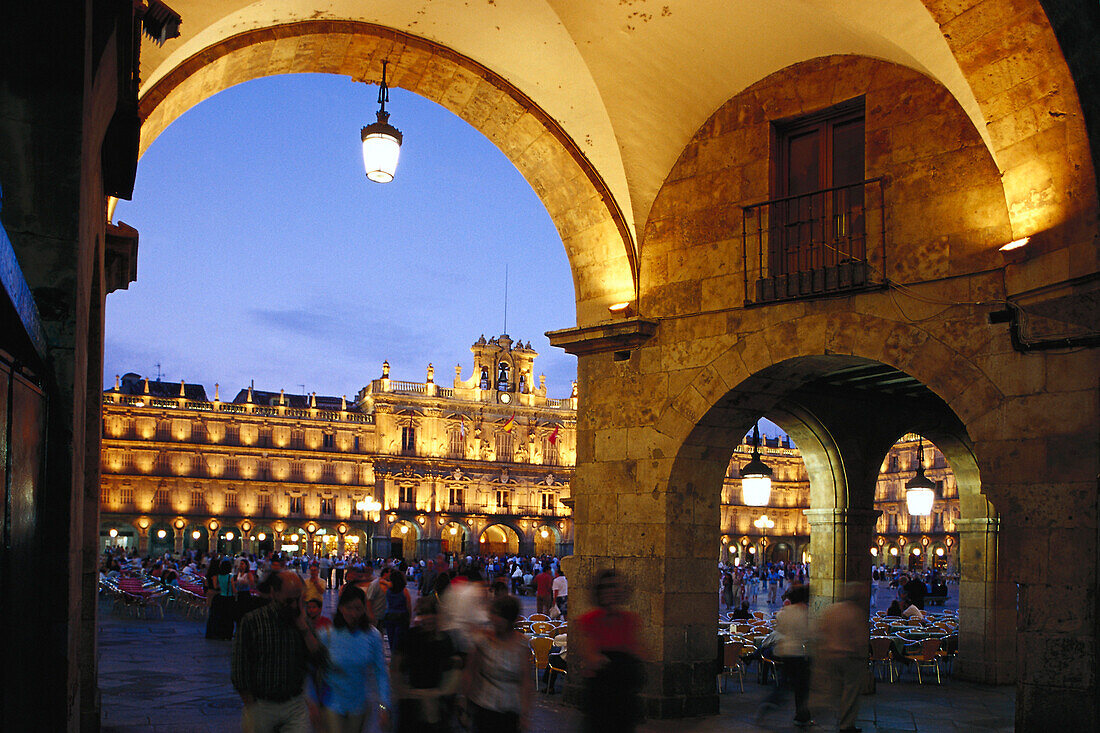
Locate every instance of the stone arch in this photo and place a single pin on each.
(499, 538)
(810, 397)
(597, 236)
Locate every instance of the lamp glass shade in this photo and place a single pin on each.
(381, 149)
(919, 499)
(756, 490)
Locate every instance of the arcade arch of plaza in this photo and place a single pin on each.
(653, 136)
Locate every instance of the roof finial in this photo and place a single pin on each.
(217, 393)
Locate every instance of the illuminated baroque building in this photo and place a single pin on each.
(482, 464)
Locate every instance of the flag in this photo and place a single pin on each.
(462, 427)
(510, 424)
(554, 435)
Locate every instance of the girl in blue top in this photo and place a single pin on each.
(355, 679)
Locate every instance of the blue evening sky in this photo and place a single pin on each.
(266, 254)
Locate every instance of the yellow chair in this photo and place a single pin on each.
(731, 664)
(882, 652)
(540, 645)
(927, 656)
(541, 628)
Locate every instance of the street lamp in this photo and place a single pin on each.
(763, 524)
(371, 509)
(756, 477)
(381, 140)
(919, 490)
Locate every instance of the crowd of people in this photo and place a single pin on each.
(381, 660)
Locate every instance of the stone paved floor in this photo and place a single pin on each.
(163, 676)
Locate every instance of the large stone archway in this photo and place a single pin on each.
(597, 236)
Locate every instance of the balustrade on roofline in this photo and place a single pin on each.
(237, 408)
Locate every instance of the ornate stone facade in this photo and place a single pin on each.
(480, 466)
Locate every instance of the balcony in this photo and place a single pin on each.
(815, 244)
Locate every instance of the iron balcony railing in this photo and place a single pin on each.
(820, 243)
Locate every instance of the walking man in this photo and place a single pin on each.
(842, 653)
(270, 653)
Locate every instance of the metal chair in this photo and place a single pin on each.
(540, 645)
(731, 664)
(927, 656)
(882, 652)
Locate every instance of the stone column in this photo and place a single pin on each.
(840, 549)
(429, 547)
(987, 607)
(340, 545)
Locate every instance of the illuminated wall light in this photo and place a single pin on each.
(1015, 244)
(161, 534)
(262, 536)
(229, 536)
(404, 529)
(454, 530)
(544, 534)
(113, 532)
(196, 534)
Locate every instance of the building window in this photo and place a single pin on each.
(104, 495)
(328, 507)
(263, 503)
(198, 500)
(356, 442)
(126, 496)
(549, 501)
(295, 505)
(328, 440)
(408, 440)
(550, 452)
(406, 493)
(505, 450)
(457, 444)
(895, 463)
(231, 501)
(160, 499)
(503, 497)
(456, 496)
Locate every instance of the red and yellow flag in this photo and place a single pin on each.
(554, 435)
(510, 424)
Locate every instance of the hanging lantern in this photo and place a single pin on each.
(381, 140)
(920, 490)
(756, 477)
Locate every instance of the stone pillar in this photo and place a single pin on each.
(177, 540)
(526, 546)
(428, 547)
(987, 608)
(840, 549)
(340, 545)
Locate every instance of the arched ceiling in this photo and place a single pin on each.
(629, 81)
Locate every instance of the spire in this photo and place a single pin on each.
(117, 386)
(313, 399)
(183, 393)
(217, 393)
(250, 392)
(147, 385)
(282, 396)
(343, 402)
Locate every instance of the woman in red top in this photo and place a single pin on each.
(611, 651)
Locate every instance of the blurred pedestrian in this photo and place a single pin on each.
(610, 647)
(270, 656)
(427, 670)
(842, 653)
(356, 681)
(792, 625)
(498, 679)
